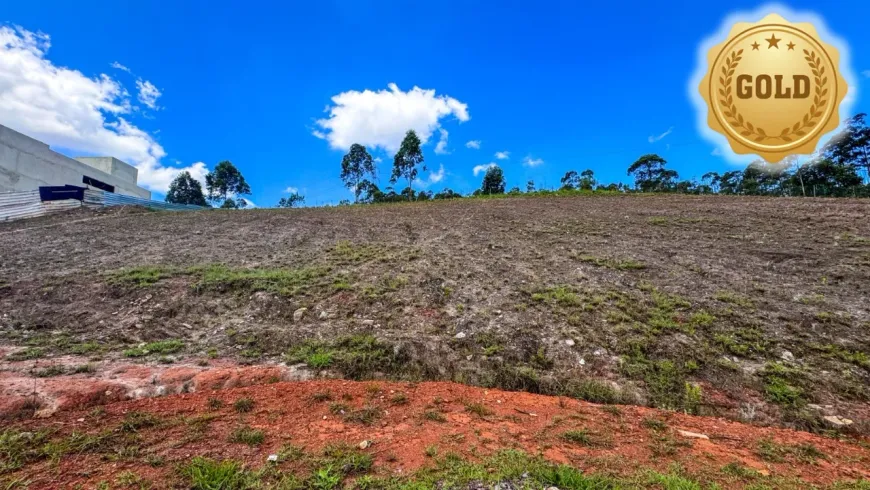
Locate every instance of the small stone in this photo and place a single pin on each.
(692, 435)
(298, 314)
(323, 315)
(787, 356)
(582, 362)
(368, 323)
(837, 421)
(569, 342)
(365, 444)
(273, 458)
(469, 357)
(460, 335)
(815, 407)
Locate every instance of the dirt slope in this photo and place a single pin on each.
(753, 309)
(410, 426)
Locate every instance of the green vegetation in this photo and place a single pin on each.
(347, 252)
(26, 354)
(208, 474)
(141, 276)
(54, 370)
(356, 357)
(134, 421)
(778, 387)
(322, 396)
(478, 409)
(561, 295)
(773, 452)
(434, 416)
(577, 437)
(170, 346)
(243, 405)
(856, 357)
(743, 341)
(364, 416)
(734, 299)
(287, 282)
(247, 435)
(618, 264)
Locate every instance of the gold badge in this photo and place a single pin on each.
(773, 88)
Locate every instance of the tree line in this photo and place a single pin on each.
(841, 168)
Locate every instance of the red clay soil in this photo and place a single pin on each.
(288, 414)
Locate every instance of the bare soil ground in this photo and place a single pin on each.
(752, 309)
(398, 429)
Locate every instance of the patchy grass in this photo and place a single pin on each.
(734, 299)
(347, 252)
(618, 264)
(434, 416)
(778, 385)
(162, 347)
(134, 421)
(364, 416)
(286, 282)
(356, 357)
(322, 396)
(26, 354)
(247, 435)
(859, 358)
(48, 372)
(208, 474)
(478, 409)
(561, 295)
(141, 276)
(744, 341)
(243, 405)
(577, 437)
(771, 451)
(349, 460)
(595, 391)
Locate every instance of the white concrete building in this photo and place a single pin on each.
(26, 164)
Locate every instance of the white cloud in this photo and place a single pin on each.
(473, 144)
(119, 66)
(148, 94)
(380, 119)
(502, 155)
(291, 190)
(441, 147)
(434, 177)
(532, 162)
(64, 108)
(653, 139)
(483, 168)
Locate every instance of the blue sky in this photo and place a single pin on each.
(558, 85)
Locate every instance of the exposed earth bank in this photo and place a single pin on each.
(389, 432)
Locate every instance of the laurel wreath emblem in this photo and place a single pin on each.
(746, 128)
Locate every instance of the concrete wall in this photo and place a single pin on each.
(26, 164)
(112, 166)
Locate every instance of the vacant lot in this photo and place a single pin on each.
(751, 308)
